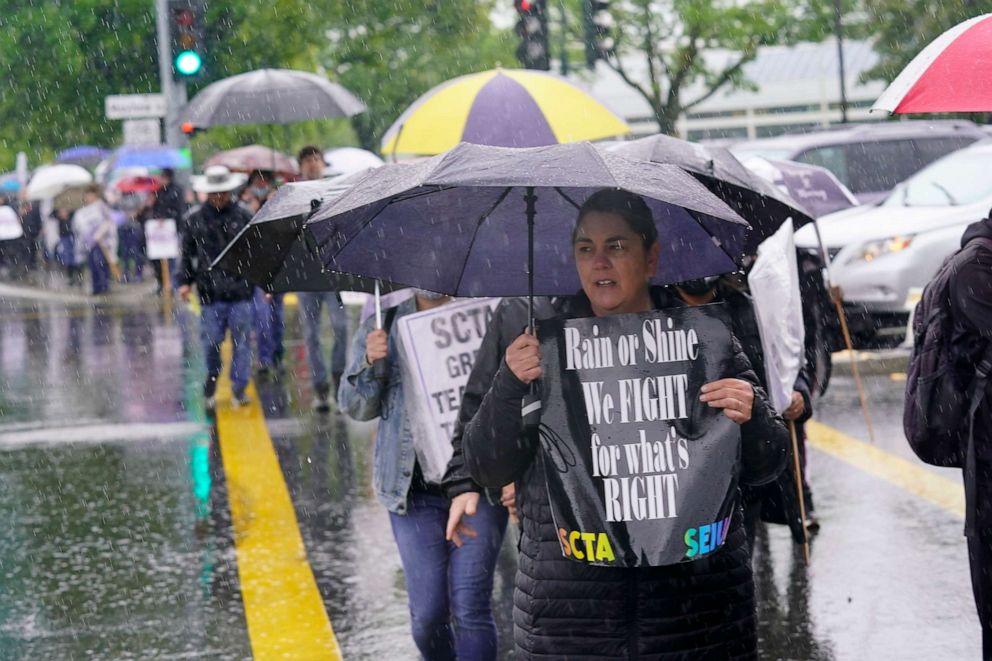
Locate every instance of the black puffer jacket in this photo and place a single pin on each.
(209, 230)
(565, 609)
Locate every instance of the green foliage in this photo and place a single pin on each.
(389, 53)
(62, 57)
(904, 27)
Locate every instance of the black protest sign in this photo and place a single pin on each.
(639, 471)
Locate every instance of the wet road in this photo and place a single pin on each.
(118, 491)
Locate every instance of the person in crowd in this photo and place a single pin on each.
(131, 237)
(65, 248)
(225, 298)
(777, 501)
(564, 608)
(31, 216)
(170, 199)
(257, 190)
(971, 346)
(96, 238)
(449, 585)
(311, 160)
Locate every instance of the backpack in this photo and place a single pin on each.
(939, 407)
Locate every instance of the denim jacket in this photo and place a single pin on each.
(362, 397)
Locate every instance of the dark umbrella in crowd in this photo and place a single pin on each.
(753, 197)
(469, 222)
(815, 188)
(271, 251)
(85, 155)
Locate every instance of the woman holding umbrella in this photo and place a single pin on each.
(564, 608)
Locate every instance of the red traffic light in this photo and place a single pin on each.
(185, 17)
(187, 128)
(526, 5)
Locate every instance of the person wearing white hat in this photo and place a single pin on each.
(225, 298)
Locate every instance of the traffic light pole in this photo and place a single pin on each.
(174, 92)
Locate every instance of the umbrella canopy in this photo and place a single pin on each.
(761, 204)
(148, 156)
(50, 180)
(952, 74)
(254, 157)
(458, 223)
(70, 199)
(349, 160)
(10, 183)
(138, 184)
(82, 155)
(816, 188)
(503, 108)
(271, 252)
(270, 96)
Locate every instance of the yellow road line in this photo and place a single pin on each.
(285, 613)
(907, 475)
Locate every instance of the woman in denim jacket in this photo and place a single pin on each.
(449, 583)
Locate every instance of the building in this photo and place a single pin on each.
(795, 87)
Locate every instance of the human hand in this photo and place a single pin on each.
(508, 499)
(796, 408)
(523, 357)
(376, 345)
(184, 293)
(462, 505)
(734, 396)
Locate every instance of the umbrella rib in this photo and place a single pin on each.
(567, 198)
(475, 235)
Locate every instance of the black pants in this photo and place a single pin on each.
(980, 558)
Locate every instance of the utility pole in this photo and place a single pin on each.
(839, 30)
(564, 38)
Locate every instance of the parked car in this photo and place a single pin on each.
(879, 253)
(870, 159)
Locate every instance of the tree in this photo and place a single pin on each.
(904, 27)
(389, 53)
(702, 46)
(62, 57)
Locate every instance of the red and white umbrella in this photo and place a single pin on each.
(952, 74)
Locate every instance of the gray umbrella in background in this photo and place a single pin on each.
(269, 96)
(815, 187)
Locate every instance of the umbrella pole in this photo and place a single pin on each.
(531, 405)
(799, 488)
(839, 306)
(380, 369)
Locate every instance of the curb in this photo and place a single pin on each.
(874, 363)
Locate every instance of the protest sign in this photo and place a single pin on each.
(438, 350)
(10, 224)
(161, 239)
(639, 471)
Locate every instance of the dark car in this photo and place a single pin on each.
(870, 159)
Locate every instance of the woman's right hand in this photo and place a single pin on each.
(376, 345)
(523, 357)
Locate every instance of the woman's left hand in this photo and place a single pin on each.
(734, 396)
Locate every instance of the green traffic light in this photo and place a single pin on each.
(188, 63)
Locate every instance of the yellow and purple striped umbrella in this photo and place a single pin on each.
(502, 108)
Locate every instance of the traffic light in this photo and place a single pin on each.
(532, 28)
(186, 26)
(598, 20)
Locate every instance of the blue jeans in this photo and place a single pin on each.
(99, 270)
(269, 327)
(130, 239)
(311, 304)
(215, 320)
(450, 587)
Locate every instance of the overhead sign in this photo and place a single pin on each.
(134, 106)
(439, 348)
(639, 471)
(142, 132)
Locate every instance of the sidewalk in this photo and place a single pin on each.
(883, 361)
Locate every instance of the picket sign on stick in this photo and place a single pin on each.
(774, 285)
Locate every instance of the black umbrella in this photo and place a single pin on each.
(269, 96)
(757, 200)
(271, 251)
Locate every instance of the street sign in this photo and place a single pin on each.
(134, 106)
(142, 132)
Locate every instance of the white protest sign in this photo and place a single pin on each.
(774, 284)
(10, 224)
(438, 349)
(161, 239)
